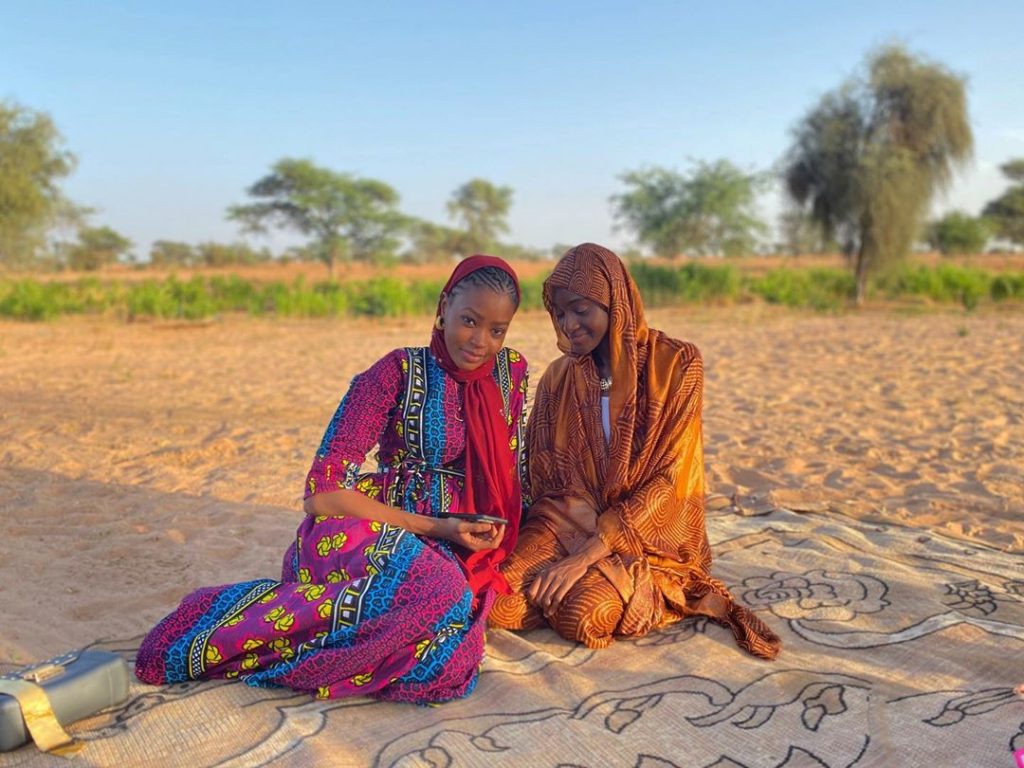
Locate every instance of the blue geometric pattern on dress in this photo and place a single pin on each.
(434, 433)
(434, 430)
(176, 659)
(379, 596)
(448, 635)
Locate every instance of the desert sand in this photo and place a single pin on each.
(140, 461)
(864, 497)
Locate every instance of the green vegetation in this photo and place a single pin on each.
(710, 211)
(97, 247)
(1006, 212)
(345, 218)
(958, 233)
(482, 208)
(32, 163)
(867, 160)
(202, 297)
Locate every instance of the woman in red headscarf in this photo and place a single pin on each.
(386, 590)
(615, 544)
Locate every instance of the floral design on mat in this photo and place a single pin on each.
(817, 595)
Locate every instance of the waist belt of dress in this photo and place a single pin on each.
(419, 467)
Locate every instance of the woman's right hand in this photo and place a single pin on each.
(472, 536)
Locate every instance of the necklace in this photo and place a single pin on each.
(605, 383)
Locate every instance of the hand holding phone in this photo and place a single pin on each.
(470, 518)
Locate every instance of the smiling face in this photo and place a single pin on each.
(476, 319)
(583, 321)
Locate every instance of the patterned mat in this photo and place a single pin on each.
(900, 648)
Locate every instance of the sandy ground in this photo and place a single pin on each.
(138, 462)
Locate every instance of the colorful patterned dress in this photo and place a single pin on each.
(362, 607)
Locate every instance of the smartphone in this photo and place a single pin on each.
(476, 518)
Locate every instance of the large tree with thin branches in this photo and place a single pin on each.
(868, 159)
(33, 160)
(345, 217)
(482, 209)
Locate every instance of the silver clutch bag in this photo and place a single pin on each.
(38, 700)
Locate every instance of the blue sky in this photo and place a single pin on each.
(174, 108)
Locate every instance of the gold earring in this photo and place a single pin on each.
(439, 323)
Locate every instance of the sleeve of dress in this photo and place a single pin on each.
(656, 517)
(357, 425)
(517, 427)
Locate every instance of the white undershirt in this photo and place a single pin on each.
(606, 419)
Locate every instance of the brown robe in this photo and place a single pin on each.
(642, 492)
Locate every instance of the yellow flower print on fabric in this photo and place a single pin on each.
(361, 680)
(326, 544)
(238, 618)
(334, 577)
(311, 591)
(305, 576)
(283, 648)
(274, 614)
(323, 546)
(323, 692)
(252, 644)
(269, 597)
(285, 623)
(251, 661)
(213, 655)
(376, 526)
(369, 487)
(421, 648)
(324, 609)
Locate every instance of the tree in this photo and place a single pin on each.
(482, 208)
(32, 161)
(169, 253)
(711, 210)
(213, 254)
(801, 234)
(97, 247)
(345, 217)
(1006, 212)
(957, 233)
(868, 158)
(433, 242)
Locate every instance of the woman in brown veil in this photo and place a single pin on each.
(615, 544)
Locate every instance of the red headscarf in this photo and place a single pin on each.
(492, 480)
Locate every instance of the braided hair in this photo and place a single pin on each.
(498, 280)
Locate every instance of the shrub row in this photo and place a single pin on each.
(199, 297)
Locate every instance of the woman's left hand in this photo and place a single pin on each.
(551, 585)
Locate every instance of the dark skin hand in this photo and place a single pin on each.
(472, 536)
(550, 586)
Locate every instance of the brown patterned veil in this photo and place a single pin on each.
(642, 491)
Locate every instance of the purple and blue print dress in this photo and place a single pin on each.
(362, 607)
